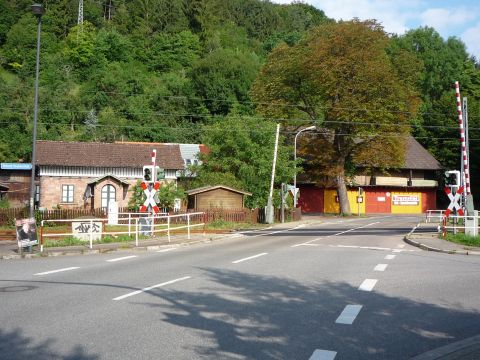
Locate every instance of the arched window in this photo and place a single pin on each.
(108, 195)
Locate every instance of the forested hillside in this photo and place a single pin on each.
(167, 71)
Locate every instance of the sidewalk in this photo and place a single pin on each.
(9, 249)
(426, 237)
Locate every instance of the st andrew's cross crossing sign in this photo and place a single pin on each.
(150, 193)
(454, 201)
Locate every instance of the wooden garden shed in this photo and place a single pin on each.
(216, 197)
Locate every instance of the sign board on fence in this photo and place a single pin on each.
(112, 213)
(406, 199)
(26, 232)
(82, 229)
(145, 226)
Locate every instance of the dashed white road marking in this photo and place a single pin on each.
(349, 314)
(56, 271)
(122, 258)
(150, 288)
(323, 355)
(397, 250)
(380, 267)
(368, 285)
(401, 246)
(390, 257)
(248, 258)
(165, 250)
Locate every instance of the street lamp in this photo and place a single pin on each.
(38, 10)
(295, 160)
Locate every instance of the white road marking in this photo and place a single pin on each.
(380, 267)
(374, 248)
(150, 288)
(401, 246)
(248, 258)
(56, 271)
(122, 258)
(323, 355)
(368, 285)
(360, 227)
(306, 243)
(165, 250)
(347, 246)
(349, 314)
(390, 257)
(397, 250)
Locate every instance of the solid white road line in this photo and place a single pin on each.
(165, 250)
(306, 242)
(56, 271)
(248, 258)
(380, 267)
(122, 258)
(390, 257)
(349, 314)
(150, 288)
(360, 227)
(368, 285)
(397, 250)
(323, 355)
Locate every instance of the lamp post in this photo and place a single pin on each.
(38, 10)
(295, 160)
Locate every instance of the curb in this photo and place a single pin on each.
(412, 242)
(463, 349)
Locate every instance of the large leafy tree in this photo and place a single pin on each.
(341, 79)
(241, 155)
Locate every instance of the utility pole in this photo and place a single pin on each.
(269, 210)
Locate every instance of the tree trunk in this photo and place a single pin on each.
(342, 194)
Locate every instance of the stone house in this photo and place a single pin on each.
(91, 175)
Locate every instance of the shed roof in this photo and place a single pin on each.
(95, 154)
(418, 158)
(210, 188)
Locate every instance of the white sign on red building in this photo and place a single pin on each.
(405, 199)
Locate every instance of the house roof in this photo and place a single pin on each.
(418, 158)
(60, 153)
(210, 188)
(98, 179)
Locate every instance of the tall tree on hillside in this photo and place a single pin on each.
(341, 79)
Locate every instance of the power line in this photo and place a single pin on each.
(251, 102)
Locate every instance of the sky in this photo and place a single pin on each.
(460, 18)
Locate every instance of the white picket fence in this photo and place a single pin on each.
(134, 223)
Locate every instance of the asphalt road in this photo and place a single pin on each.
(335, 289)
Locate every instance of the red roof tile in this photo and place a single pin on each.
(62, 153)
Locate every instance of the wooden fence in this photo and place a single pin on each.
(7, 216)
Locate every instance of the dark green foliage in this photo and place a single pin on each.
(173, 65)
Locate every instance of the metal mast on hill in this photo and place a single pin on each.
(80, 12)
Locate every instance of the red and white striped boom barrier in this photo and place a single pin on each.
(462, 139)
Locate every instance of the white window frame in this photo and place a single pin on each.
(68, 192)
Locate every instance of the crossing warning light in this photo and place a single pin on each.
(148, 174)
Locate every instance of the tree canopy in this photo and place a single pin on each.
(340, 79)
(178, 66)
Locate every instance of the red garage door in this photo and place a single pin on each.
(311, 199)
(377, 202)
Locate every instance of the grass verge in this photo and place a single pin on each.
(464, 239)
